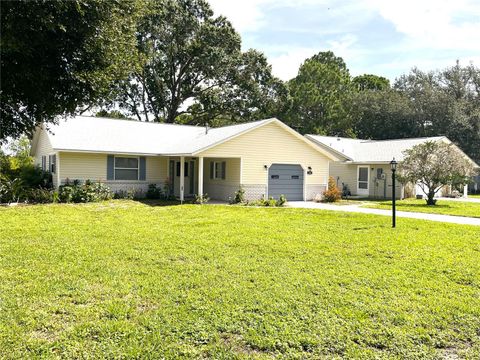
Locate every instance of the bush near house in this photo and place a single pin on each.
(83, 193)
(332, 194)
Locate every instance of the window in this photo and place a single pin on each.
(126, 168)
(274, 176)
(52, 159)
(379, 173)
(185, 168)
(44, 163)
(295, 177)
(217, 170)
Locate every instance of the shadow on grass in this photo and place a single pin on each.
(152, 202)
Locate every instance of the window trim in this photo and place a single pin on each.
(218, 164)
(120, 168)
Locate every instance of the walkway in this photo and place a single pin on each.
(403, 214)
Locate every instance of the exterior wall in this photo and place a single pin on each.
(44, 148)
(91, 166)
(377, 188)
(222, 189)
(267, 145)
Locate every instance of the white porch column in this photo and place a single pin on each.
(200, 175)
(465, 191)
(182, 178)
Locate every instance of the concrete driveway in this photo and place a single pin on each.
(403, 214)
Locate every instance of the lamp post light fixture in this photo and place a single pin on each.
(393, 167)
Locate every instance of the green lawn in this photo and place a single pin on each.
(445, 207)
(476, 196)
(127, 280)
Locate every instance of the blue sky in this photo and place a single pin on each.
(383, 37)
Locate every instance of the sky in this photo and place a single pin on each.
(381, 37)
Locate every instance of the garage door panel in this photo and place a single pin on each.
(286, 180)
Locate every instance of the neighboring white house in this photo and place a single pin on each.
(265, 158)
(365, 167)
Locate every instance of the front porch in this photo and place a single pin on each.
(196, 176)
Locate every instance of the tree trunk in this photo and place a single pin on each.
(430, 199)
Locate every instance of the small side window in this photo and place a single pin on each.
(379, 173)
(295, 177)
(274, 176)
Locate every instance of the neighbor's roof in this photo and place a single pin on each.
(95, 134)
(376, 151)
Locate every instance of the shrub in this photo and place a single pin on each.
(35, 177)
(88, 192)
(154, 192)
(282, 200)
(40, 196)
(270, 202)
(333, 194)
(129, 194)
(11, 190)
(239, 196)
(201, 199)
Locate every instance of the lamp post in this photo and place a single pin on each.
(393, 166)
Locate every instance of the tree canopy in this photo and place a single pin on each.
(319, 96)
(424, 104)
(435, 164)
(57, 56)
(194, 70)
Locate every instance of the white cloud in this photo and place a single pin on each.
(245, 15)
(433, 33)
(434, 24)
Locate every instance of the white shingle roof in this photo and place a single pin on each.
(85, 133)
(372, 150)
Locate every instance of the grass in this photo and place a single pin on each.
(475, 196)
(445, 207)
(127, 280)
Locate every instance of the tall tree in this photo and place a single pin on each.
(319, 96)
(370, 82)
(194, 69)
(59, 56)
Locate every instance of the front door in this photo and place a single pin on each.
(363, 178)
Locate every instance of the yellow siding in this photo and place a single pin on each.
(157, 169)
(347, 173)
(271, 144)
(85, 166)
(344, 173)
(44, 148)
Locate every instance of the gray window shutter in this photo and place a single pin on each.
(224, 168)
(211, 169)
(110, 164)
(143, 168)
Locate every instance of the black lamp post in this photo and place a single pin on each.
(393, 166)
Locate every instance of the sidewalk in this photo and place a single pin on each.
(404, 214)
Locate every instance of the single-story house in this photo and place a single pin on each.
(365, 167)
(265, 158)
